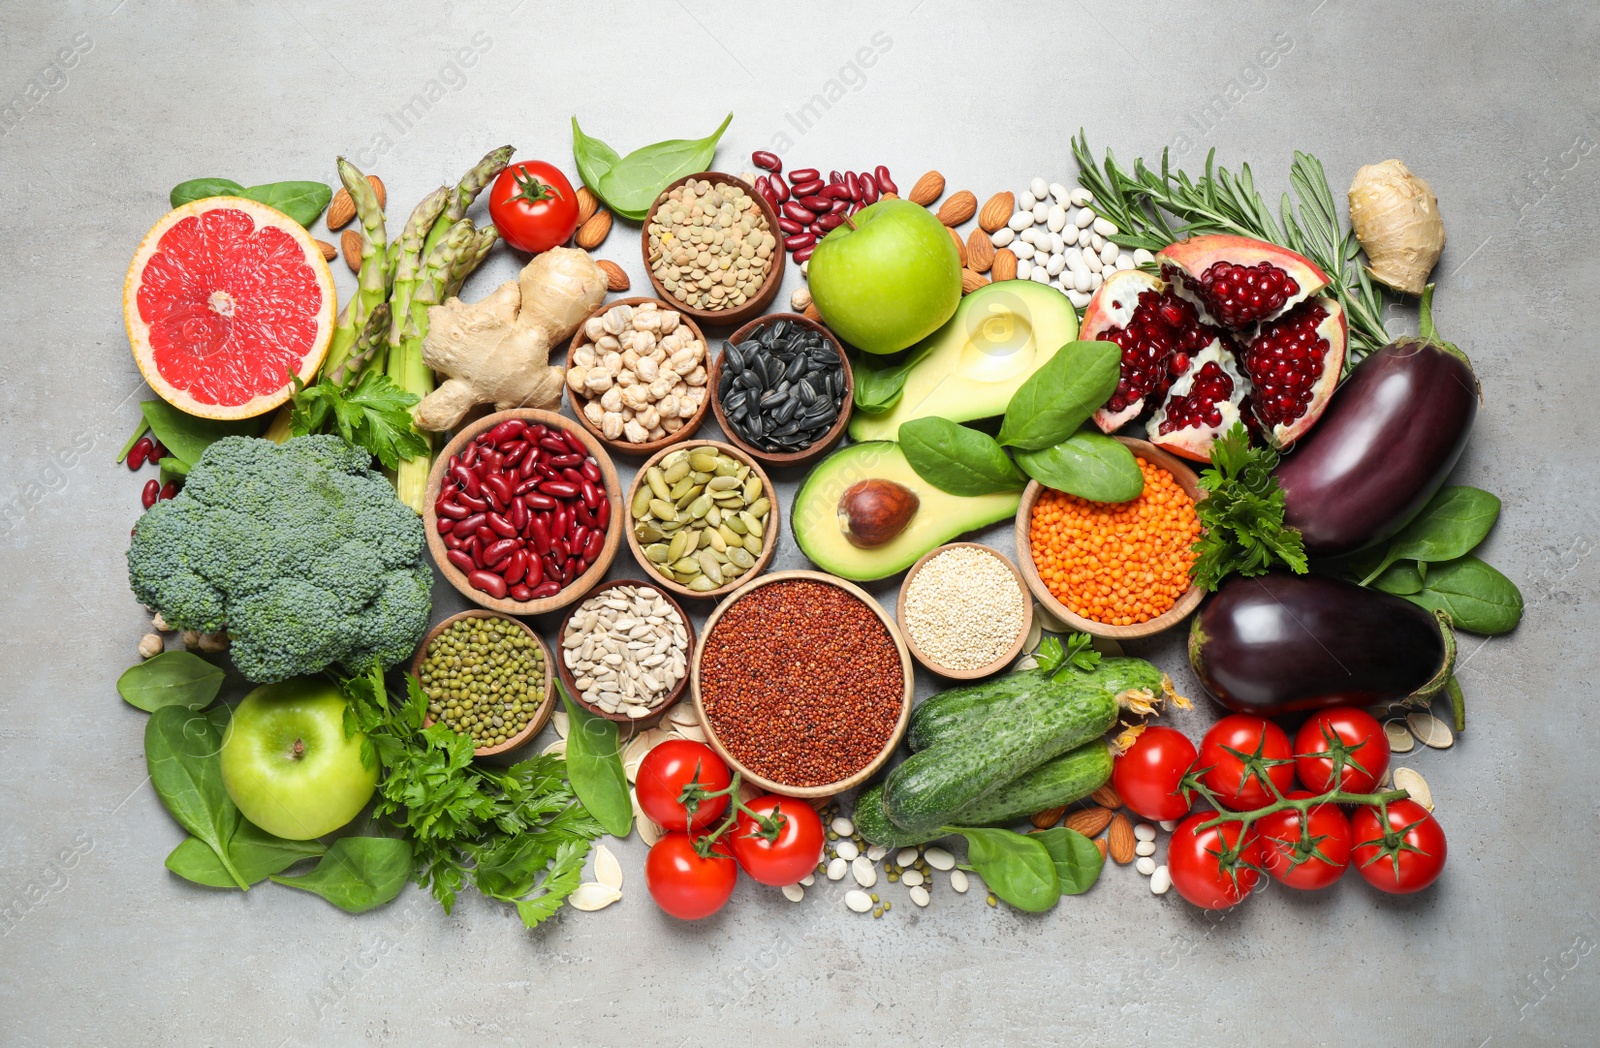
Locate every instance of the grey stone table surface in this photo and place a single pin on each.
(105, 104)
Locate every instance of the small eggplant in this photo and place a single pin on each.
(1280, 643)
(1390, 436)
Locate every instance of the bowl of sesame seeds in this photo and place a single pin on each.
(803, 683)
(965, 611)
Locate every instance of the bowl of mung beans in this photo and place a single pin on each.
(486, 676)
(965, 611)
(713, 249)
(702, 518)
(1117, 570)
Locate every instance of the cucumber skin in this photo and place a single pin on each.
(959, 710)
(1055, 783)
(1042, 722)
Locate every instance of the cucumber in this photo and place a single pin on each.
(1042, 721)
(959, 710)
(1055, 783)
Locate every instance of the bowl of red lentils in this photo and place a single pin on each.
(1115, 569)
(803, 683)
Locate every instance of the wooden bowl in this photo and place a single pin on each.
(889, 745)
(806, 456)
(985, 670)
(763, 297)
(578, 586)
(547, 702)
(571, 682)
(1166, 620)
(577, 401)
(774, 523)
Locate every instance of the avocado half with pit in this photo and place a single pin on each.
(970, 367)
(863, 513)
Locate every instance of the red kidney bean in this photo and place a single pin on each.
(470, 525)
(551, 570)
(886, 184)
(497, 486)
(799, 241)
(591, 470)
(577, 445)
(581, 515)
(602, 514)
(444, 525)
(152, 492)
(798, 213)
(805, 189)
(830, 222)
(465, 477)
(510, 429)
(816, 203)
(592, 547)
(780, 191)
(766, 161)
(488, 582)
(573, 476)
(139, 452)
(494, 503)
(804, 174)
(591, 494)
(514, 453)
(560, 523)
(564, 462)
(519, 515)
(854, 185)
(530, 462)
(554, 445)
(496, 552)
(840, 207)
(544, 589)
(539, 500)
(804, 253)
(446, 508)
(560, 551)
(834, 176)
(570, 570)
(468, 456)
(516, 567)
(869, 189)
(789, 225)
(521, 593)
(462, 561)
(475, 505)
(580, 536)
(764, 189)
(561, 489)
(502, 527)
(454, 542)
(157, 452)
(538, 532)
(832, 193)
(485, 535)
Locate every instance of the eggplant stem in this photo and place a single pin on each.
(1458, 702)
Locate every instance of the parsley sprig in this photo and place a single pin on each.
(1242, 514)
(1078, 653)
(373, 413)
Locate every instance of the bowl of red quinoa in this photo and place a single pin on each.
(803, 683)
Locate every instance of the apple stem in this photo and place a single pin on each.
(299, 748)
(846, 216)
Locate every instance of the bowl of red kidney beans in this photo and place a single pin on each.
(523, 511)
(809, 205)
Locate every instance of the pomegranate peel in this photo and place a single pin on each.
(1236, 281)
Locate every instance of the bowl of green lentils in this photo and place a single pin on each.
(486, 676)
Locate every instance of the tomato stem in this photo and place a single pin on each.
(1302, 805)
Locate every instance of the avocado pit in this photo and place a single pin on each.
(873, 512)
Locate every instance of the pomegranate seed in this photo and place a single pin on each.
(1237, 295)
(1285, 361)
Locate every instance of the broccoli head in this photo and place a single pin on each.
(301, 550)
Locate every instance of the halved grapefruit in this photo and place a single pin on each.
(224, 298)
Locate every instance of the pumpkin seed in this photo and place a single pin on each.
(663, 510)
(1400, 740)
(1430, 730)
(1412, 782)
(709, 524)
(641, 503)
(658, 483)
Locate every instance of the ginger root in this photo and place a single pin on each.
(1396, 217)
(497, 351)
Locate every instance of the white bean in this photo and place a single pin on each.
(1124, 262)
(1059, 193)
(863, 871)
(837, 869)
(1144, 848)
(919, 895)
(842, 826)
(1002, 236)
(1039, 187)
(846, 850)
(1095, 280)
(1161, 880)
(793, 892)
(1142, 257)
(1082, 280)
(1057, 244)
(1022, 220)
(1029, 236)
(1040, 213)
(939, 859)
(1145, 865)
(1167, 824)
(1055, 218)
(1078, 298)
(1105, 227)
(1080, 195)
(1022, 249)
(858, 900)
(1024, 269)
(1084, 218)
(1026, 201)
(1039, 274)
(1092, 259)
(958, 881)
(1055, 264)
(1097, 241)
(905, 856)
(1109, 253)
(1144, 832)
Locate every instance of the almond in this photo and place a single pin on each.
(961, 245)
(341, 209)
(811, 313)
(1100, 844)
(1120, 840)
(928, 189)
(888, 196)
(329, 252)
(616, 279)
(1004, 266)
(980, 251)
(592, 233)
(587, 204)
(971, 280)
(960, 207)
(351, 242)
(377, 188)
(997, 212)
(1089, 821)
(1107, 797)
(1047, 818)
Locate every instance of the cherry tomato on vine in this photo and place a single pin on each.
(1224, 752)
(1404, 855)
(666, 770)
(1356, 734)
(683, 883)
(794, 850)
(533, 206)
(1310, 854)
(1211, 868)
(1147, 776)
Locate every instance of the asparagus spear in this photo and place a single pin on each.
(470, 260)
(373, 283)
(472, 183)
(409, 265)
(364, 353)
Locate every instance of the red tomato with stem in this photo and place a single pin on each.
(685, 884)
(1148, 775)
(667, 771)
(1240, 755)
(1402, 853)
(1346, 734)
(1307, 852)
(533, 206)
(795, 844)
(1213, 868)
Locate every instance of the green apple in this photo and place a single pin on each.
(287, 763)
(888, 282)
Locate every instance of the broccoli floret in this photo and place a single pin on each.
(301, 549)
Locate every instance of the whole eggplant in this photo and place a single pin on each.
(1280, 642)
(1390, 436)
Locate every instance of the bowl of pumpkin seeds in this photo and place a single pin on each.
(704, 518)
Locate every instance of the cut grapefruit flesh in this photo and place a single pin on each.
(224, 298)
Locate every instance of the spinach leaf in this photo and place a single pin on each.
(301, 201)
(957, 459)
(1451, 525)
(880, 379)
(1078, 861)
(358, 873)
(1060, 397)
(200, 188)
(1402, 578)
(187, 436)
(594, 767)
(181, 749)
(632, 184)
(594, 157)
(173, 678)
(1088, 464)
(1018, 869)
(256, 854)
(1477, 597)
